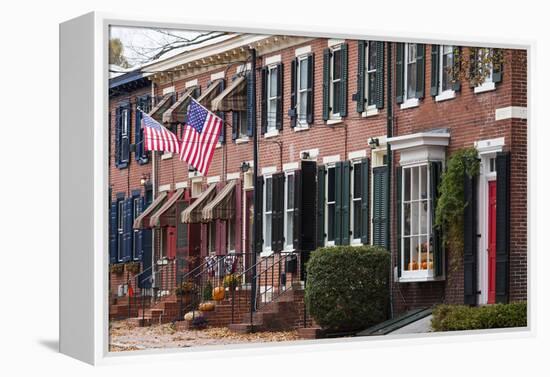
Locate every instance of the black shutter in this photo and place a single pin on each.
(321, 172)
(497, 70)
(436, 244)
(420, 69)
(297, 214)
(502, 227)
(470, 241)
(138, 134)
(136, 234)
(379, 207)
(365, 183)
(118, 135)
(264, 100)
(310, 76)
(125, 142)
(457, 54)
(277, 208)
(250, 100)
(399, 72)
(234, 125)
(292, 112)
(326, 83)
(379, 80)
(434, 76)
(338, 203)
(308, 185)
(344, 90)
(113, 232)
(127, 230)
(147, 253)
(258, 214)
(398, 218)
(360, 94)
(279, 110)
(346, 167)
(221, 114)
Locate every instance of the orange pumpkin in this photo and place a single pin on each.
(218, 293)
(413, 266)
(206, 306)
(424, 265)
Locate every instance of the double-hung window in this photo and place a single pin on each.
(268, 212)
(336, 81)
(212, 237)
(416, 222)
(120, 229)
(243, 125)
(356, 199)
(445, 72)
(330, 222)
(272, 79)
(231, 236)
(370, 76)
(125, 133)
(302, 94)
(289, 211)
(484, 68)
(410, 70)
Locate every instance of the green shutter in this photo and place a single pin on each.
(360, 94)
(338, 203)
(345, 203)
(310, 76)
(434, 76)
(399, 73)
(364, 166)
(344, 91)
(321, 173)
(437, 246)
(398, 201)
(326, 83)
(264, 100)
(277, 206)
(279, 110)
(379, 208)
(420, 69)
(292, 112)
(379, 75)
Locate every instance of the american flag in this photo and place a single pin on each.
(157, 137)
(200, 136)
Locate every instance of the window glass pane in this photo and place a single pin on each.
(267, 241)
(414, 218)
(411, 80)
(357, 219)
(446, 66)
(271, 113)
(336, 68)
(371, 87)
(273, 82)
(303, 74)
(424, 182)
(243, 123)
(302, 107)
(407, 219)
(290, 191)
(411, 53)
(406, 253)
(331, 223)
(423, 208)
(357, 180)
(407, 184)
(289, 228)
(336, 98)
(414, 183)
(372, 56)
(331, 185)
(423, 264)
(268, 194)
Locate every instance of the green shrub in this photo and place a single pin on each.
(207, 291)
(460, 317)
(347, 287)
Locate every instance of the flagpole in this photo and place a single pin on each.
(255, 193)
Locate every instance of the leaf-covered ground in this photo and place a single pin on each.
(127, 337)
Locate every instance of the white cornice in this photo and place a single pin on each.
(419, 139)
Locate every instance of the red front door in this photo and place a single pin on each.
(492, 239)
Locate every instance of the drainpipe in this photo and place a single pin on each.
(154, 184)
(255, 170)
(389, 133)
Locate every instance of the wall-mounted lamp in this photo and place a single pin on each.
(374, 142)
(305, 155)
(245, 166)
(144, 179)
(191, 169)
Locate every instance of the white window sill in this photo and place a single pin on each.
(418, 276)
(485, 87)
(371, 111)
(330, 243)
(218, 145)
(266, 253)
(272, 133)
(446, 95)
(409, 103)
(242, 140)
(334, 121)
(301, 128)
(166, 156)
(356, 242)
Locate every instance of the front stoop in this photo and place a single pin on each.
(310, 332)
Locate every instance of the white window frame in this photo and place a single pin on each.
(448, 93)
(301, 123)
(332, 114)
(267, 245)
(231, 235)
(289, 243)
(243, 121)
(418, 274)
(368, 73)
(408, 101)
(212, 238)
(488, 84)
(137, 211)
(356, 164)
(329, 166)
(120, 228)
(272, 100)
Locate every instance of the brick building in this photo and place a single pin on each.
(353, 137)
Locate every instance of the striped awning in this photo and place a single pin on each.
(176, 112)
(193, 213)
(211, 92)
(142, 218)
(222, 207)
(233, 98)
(157, 112)
(168, 204)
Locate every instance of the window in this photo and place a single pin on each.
(336, 81)
(289, 211)
(196, 188)
(163, 243)
(331, 205)
(268, 212)
(484, 65)
(370, 76)
(417, 256)
(231, 236)
(212, 237)
(410, 70)
(446, 67)
(135, 238)
(302, 91)
(120, 219)
(243, 125)
(272, 97)
(356, 203)
(125, 131)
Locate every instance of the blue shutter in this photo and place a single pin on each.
(346, 167)
(379, 82)
(221, 114)
(470, 252)
(292, 112)
(113, 232)
(234, 125)
(250, 99)
(263, 97)
(420, 70)
(503, 228)
(127, 230)
(147, 253)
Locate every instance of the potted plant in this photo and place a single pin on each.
(117, 269)
(231, 281)
(207, 291)
(133, 267)
(185, 290)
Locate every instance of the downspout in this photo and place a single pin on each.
(389, 133)
(154, 184)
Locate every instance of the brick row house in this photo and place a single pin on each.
(353, 137)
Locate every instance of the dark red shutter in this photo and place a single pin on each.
(204, 239)
(238, 218)
(171, 242)
(221, 237)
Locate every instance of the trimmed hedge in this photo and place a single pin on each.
(347, 287)
(460, 317)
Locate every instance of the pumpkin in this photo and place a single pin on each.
(207, 306)
(424, 265)
(218, 293)
(413, 266)
(189, 316)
